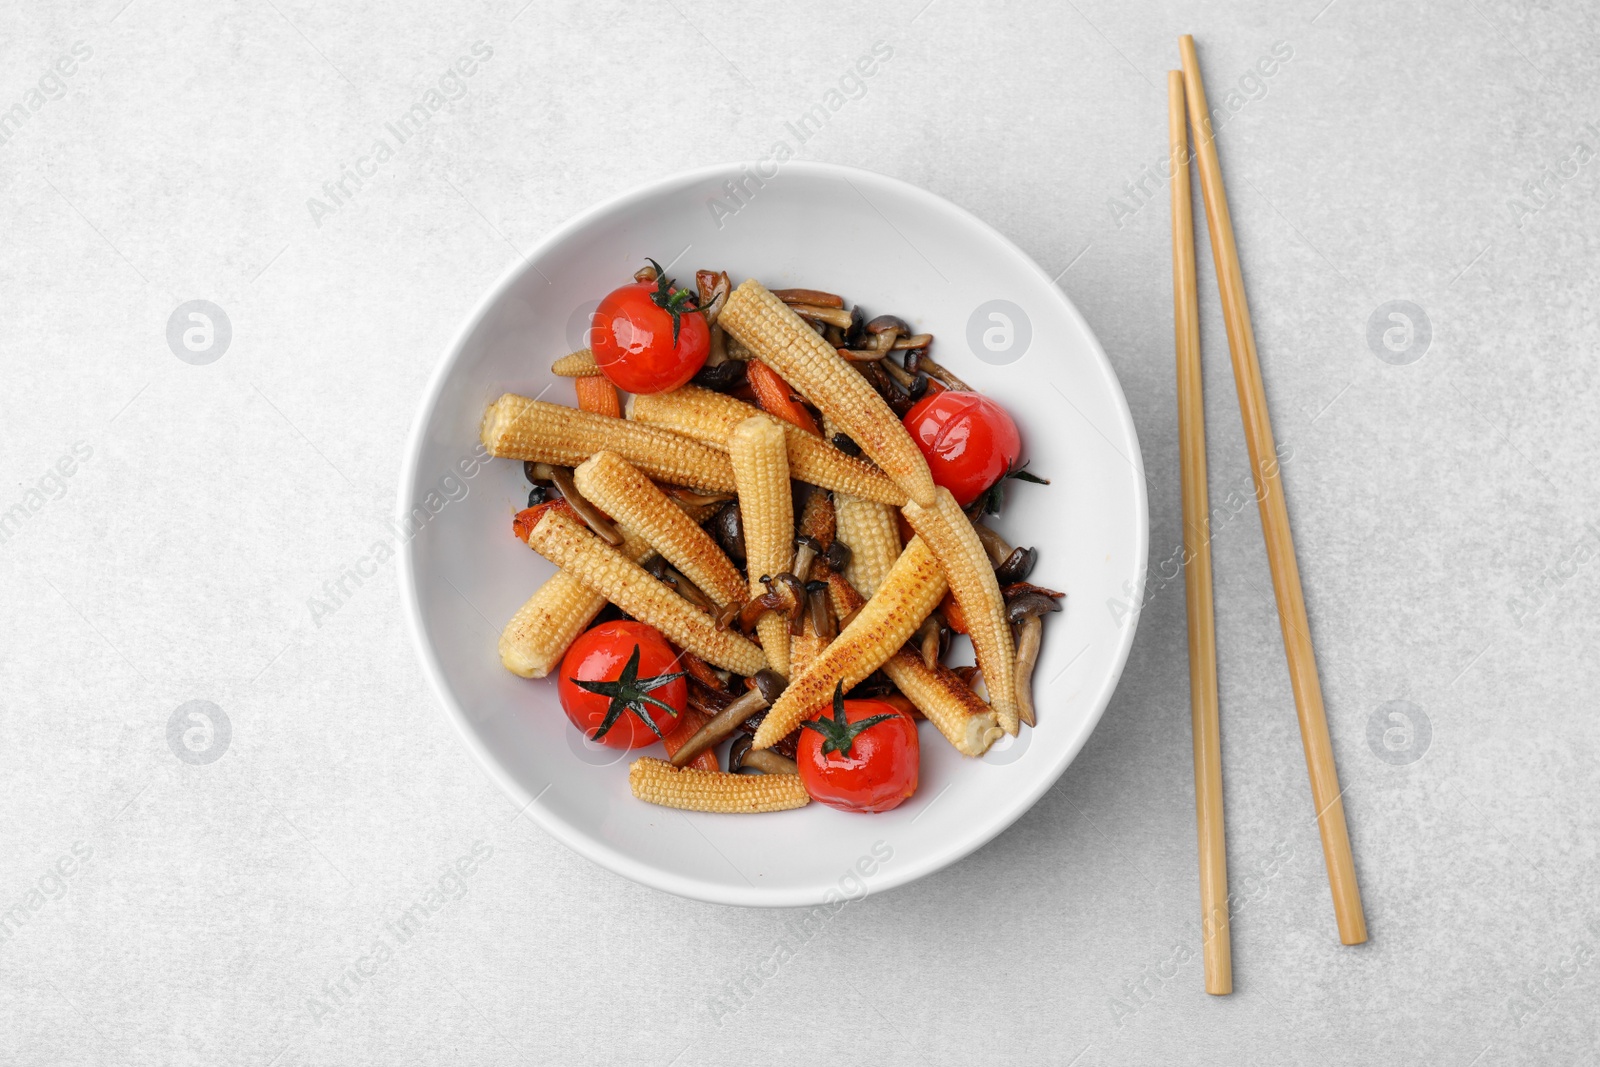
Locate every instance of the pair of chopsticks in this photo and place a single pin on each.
(1186, 98)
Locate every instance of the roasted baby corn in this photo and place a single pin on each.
(539, 634)
(710, 417)
(580, 364)
(803, 648)
(659, 782)
(761, 473)
(967, 566)
(949, 703)
(910, 590)
(872, 533)
(622, 491)
(778, 336)
(630, 587)
(515, 427)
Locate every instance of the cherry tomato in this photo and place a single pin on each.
(862, 757)
(618, 687)
(647, 338)
(969, 441)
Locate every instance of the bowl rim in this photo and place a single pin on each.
(617, 860)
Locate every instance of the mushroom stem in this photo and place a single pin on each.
(941, 372)
(688, 590)
(859, 355)
(1027, 656)
(769, 685)
(823, 621)
(596, 520)
(806, 549)
(830, 316)
(814, 297)
(993, 544)
(916, 340)
(899, 373)
(742, 756)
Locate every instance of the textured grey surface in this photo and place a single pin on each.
(1446, 511)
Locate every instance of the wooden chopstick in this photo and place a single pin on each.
(1325, 791)
(1217, 938)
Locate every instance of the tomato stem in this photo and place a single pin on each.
(839, 733)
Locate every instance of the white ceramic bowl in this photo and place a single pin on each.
(892, 248)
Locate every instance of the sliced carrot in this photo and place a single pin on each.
(689, 724)
(777, 398)
(525, 520)
(597, 394)
(952, 614)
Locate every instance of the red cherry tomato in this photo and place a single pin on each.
(969, 441)
(617, 676)
(860, 755)
(633, 343)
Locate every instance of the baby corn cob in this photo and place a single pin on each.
(659, 782)
(779, 337)
(910, 590)
(971, 575)
(761, 472)
(622, 491)
(516, 427)
(803, 648)
(869, 528)
(538, 635)
(949, 703)
(710, 417)
(632, 588)
(580, 364)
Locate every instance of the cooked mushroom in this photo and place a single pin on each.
(593, 516)
(537, 495)
(1029, 605)
(813, 297)
(727, 529)
(769, 685)
(929, 639)
(902, 376)
(646, 273)
(916, 340)
(713, 287)
(885, 330)
(919, 385)
(806, 549)
(785, 595)
(846, 444)
(742, 757)
(1017, 566)
(838, 556)
(538, 473)
(688, 590)
(820, 603)
(997, 547)
(720, 377)
(831, 316)
(898, 399)
(862, 355)
(918, 360)
(1027, 656)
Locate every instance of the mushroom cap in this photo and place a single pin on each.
(771, 684)
(881, 323)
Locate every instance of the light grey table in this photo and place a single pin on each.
(169, 527)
